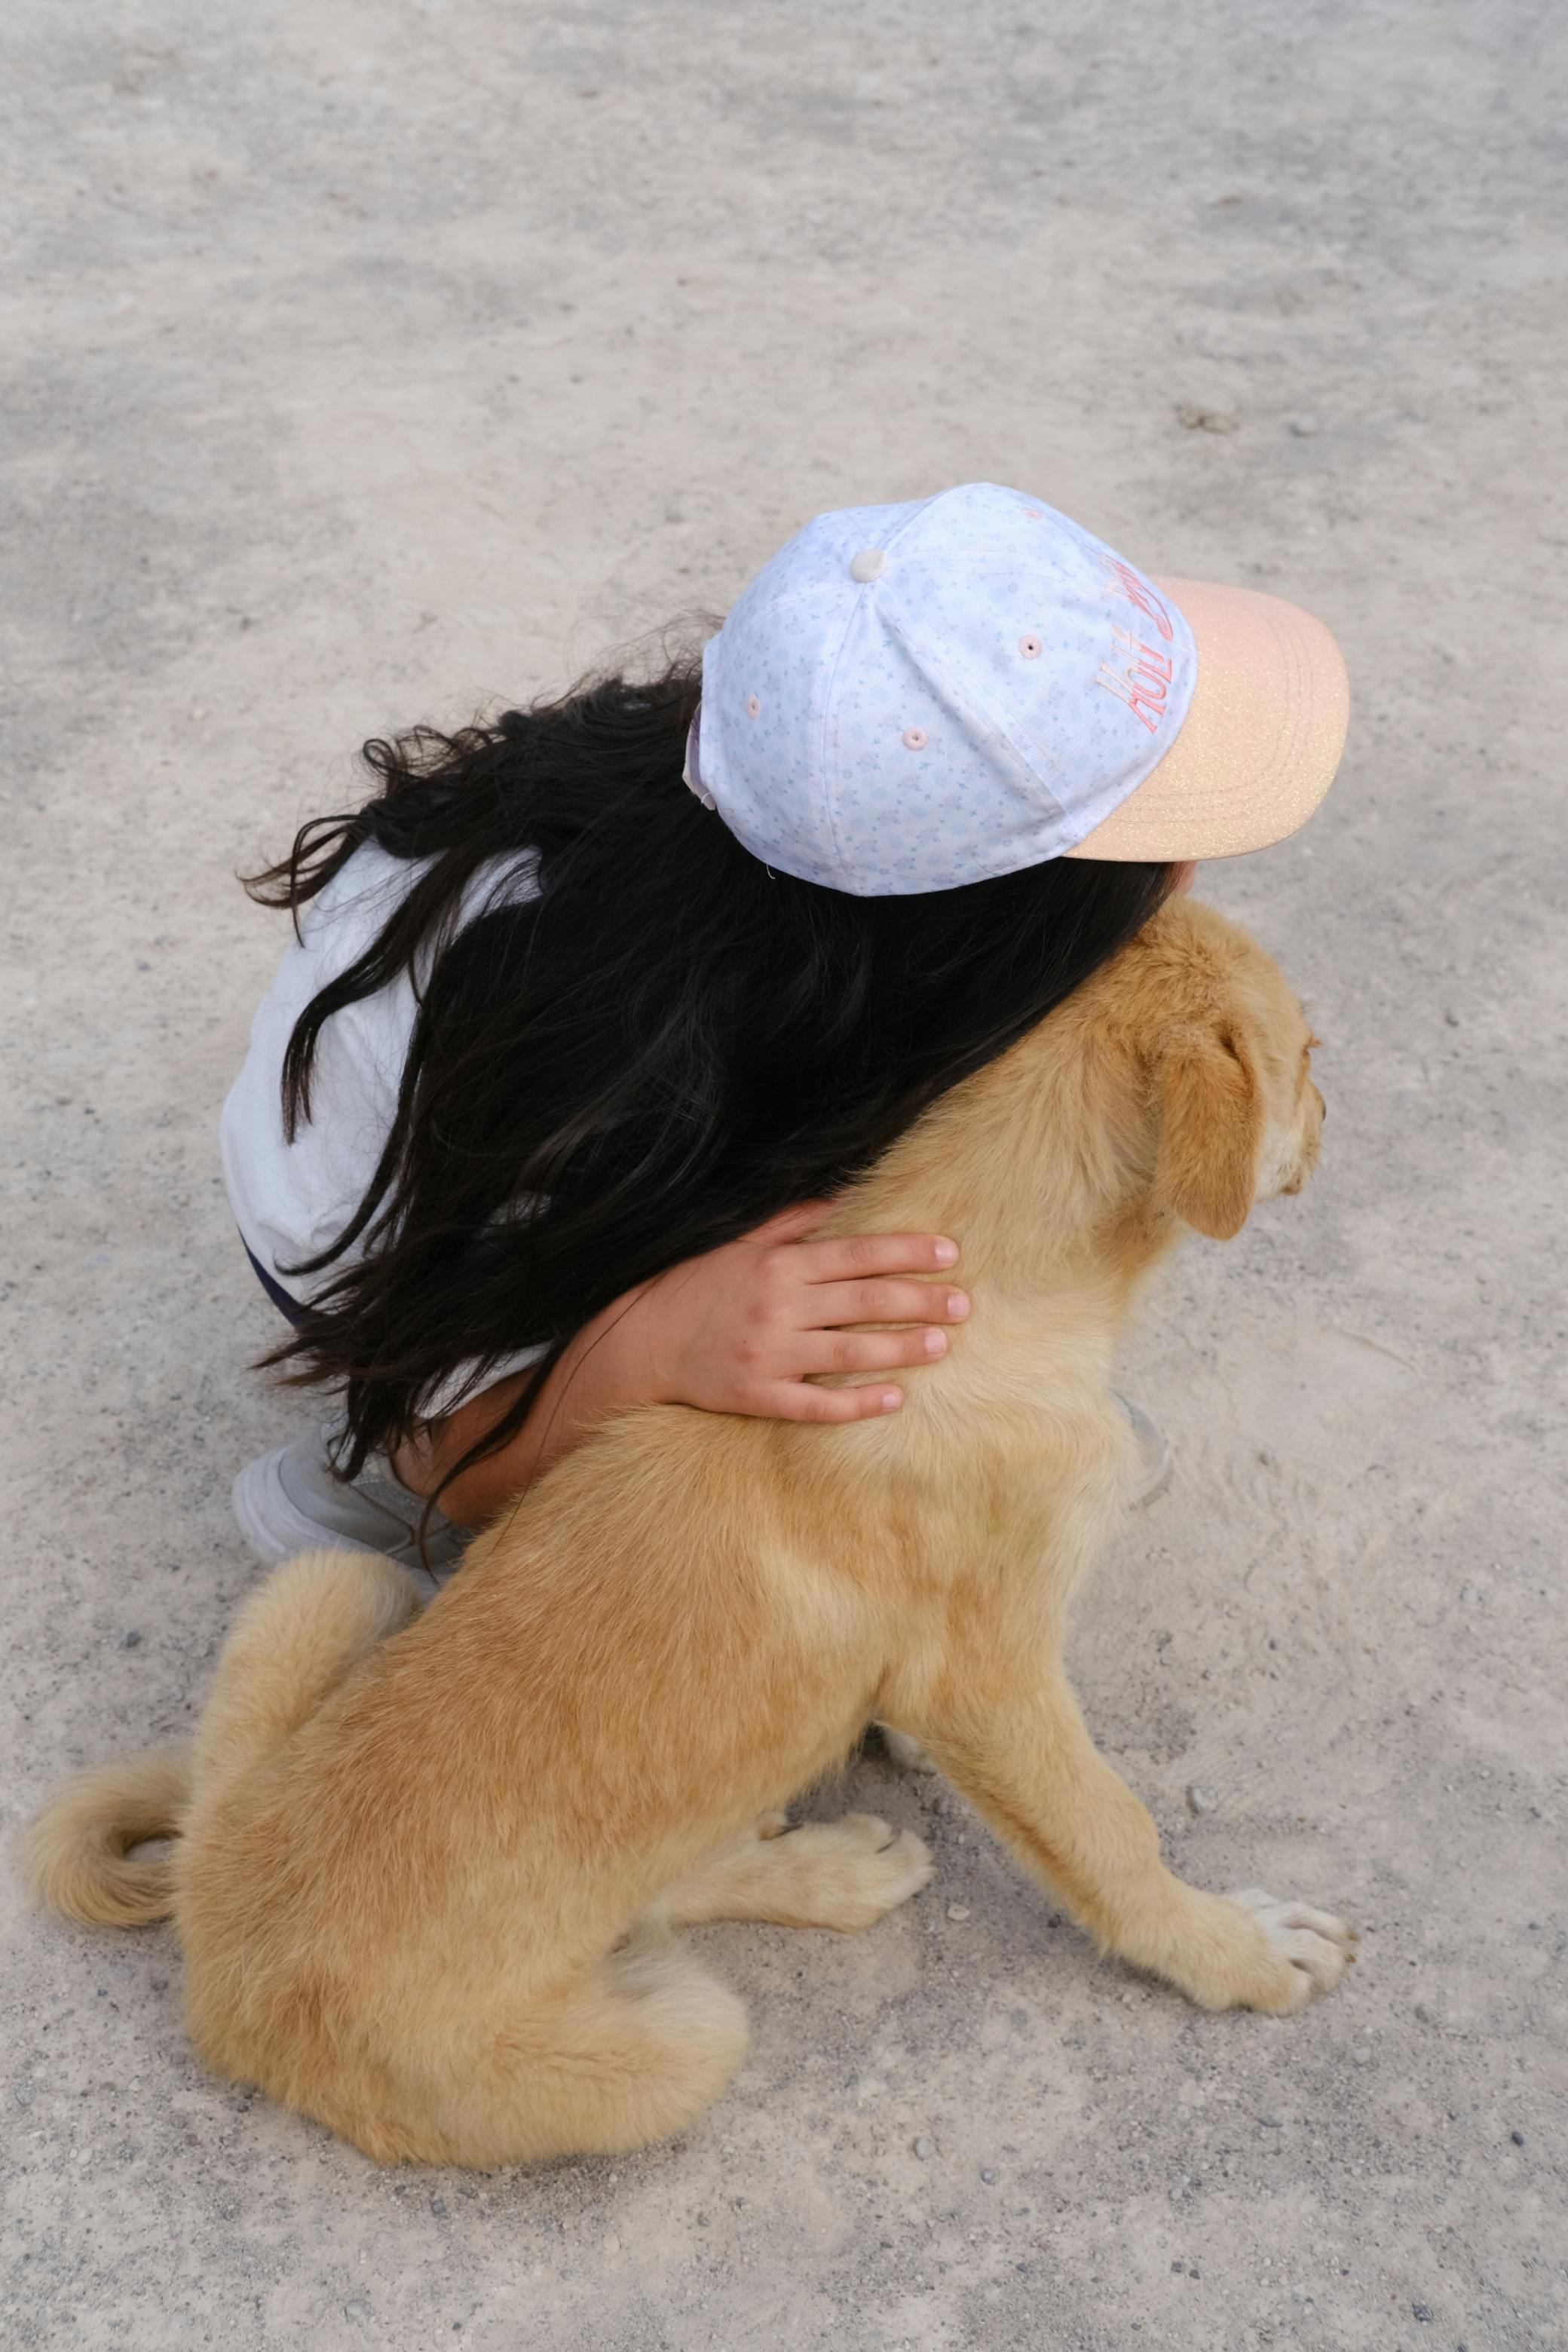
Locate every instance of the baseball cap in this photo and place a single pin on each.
(910, 696)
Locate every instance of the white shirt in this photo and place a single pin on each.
(291, 1200)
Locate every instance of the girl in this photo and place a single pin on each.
(590, 1012)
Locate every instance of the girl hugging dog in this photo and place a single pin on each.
(591, 1128)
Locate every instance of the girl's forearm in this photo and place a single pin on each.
(607, 1369)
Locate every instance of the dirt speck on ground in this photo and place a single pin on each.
(366, 364)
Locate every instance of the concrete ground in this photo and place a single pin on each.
(370, 361)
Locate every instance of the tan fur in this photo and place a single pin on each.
(431, 1861)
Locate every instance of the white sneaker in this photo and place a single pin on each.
(288, 1502)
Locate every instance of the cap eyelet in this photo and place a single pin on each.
(752, 706)
(1029, 647)
(915, 739)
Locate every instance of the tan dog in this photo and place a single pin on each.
(428, 1863)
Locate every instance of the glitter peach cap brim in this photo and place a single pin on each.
(1261, 742)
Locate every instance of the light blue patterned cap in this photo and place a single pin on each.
(910, 696)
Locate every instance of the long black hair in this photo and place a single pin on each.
(666, 1045)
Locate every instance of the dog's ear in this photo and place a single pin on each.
(1211, 1127)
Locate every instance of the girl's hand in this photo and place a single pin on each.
(742, 1329)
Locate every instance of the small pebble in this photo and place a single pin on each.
(24, 2095)
(1177, 2268)
(438, 2206)
(988, 2177)
(1425, 2012)
(1200, 1800)
(1362, 2057)
(130, 1640)
(923, 2149)
(958, 1910)
(1422, 2310)
(1517, 2138)
(1469, 1594)
(1452, 1019)
(1206, 420)
(1270, 2123)
(1303, 427)
(358, 2309)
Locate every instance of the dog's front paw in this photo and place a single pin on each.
(1285, 1953)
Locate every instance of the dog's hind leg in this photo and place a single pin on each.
(844, 1874)
(633, 2049)
(296, 1639)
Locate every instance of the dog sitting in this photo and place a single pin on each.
(429, 1863)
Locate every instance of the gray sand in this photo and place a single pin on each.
(370, 363)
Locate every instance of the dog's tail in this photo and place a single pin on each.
(79, 1856)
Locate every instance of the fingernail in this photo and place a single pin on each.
(947, 1253)
(935, 1343)
(891, 1399)
(957, 1305)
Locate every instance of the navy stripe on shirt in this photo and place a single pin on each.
(275, 1290)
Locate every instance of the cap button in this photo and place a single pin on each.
(868, 565)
